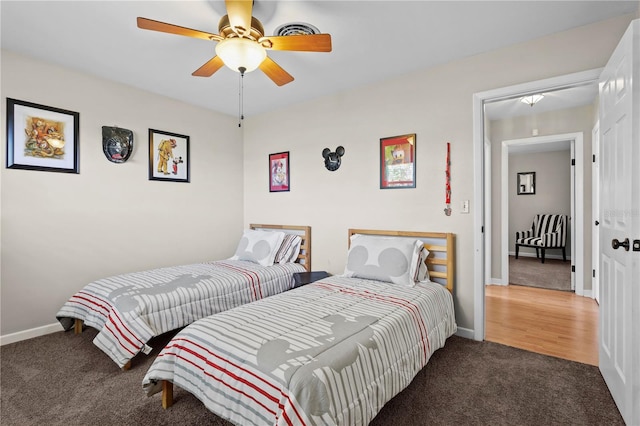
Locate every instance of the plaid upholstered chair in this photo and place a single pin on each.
(549, 231)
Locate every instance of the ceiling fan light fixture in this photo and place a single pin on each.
(531, 100)
(237, 52)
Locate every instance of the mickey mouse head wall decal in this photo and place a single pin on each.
(332, 159)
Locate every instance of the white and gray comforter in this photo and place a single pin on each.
(331, 352)
(130, 309)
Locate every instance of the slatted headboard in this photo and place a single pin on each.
(304, 258)
(441, 246)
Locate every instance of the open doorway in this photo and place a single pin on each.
(565, 125)
(485, 237)
(553, 158)
(557, 162)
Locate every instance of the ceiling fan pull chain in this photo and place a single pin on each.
(241, 97)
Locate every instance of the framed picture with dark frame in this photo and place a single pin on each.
(41, 137)
(398, 162)
(527, 183)
(168, 156)
(279, 173)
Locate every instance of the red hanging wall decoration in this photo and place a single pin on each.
(447, 186)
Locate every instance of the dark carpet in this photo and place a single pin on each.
(63, 379)
(554, 274)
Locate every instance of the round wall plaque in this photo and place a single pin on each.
(117, 143)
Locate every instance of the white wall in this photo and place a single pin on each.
(61, 231)
(552, 193)
(436, 104)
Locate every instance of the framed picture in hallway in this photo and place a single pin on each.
(168, 156)
(41, 137)
(527, 183)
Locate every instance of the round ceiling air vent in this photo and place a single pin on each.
(296, 28)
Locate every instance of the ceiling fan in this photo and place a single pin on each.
(242, 44)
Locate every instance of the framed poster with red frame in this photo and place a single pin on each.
(279, 172)
(398, 162)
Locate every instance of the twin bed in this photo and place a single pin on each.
(129, 309)
(330, 352)
(255, 351)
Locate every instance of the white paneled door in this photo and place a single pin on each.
(620, 225)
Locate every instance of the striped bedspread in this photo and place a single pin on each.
(331, 352)
(130, 309)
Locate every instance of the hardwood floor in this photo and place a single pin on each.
(549, 322)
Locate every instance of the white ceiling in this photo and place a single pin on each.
(372, 41)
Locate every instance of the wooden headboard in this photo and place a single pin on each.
(441, 246)
(304, 258)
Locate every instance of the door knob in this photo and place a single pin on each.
(615, 244)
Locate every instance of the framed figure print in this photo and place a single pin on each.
(398, 162)
(41, 137)
(168, 156)
(279, 172)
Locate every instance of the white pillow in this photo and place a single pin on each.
(289, 249)
(259, 246)
(422, 272)
(389, 259)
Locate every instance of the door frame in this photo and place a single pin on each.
(595, 212)
(576, 221)
(479, 240)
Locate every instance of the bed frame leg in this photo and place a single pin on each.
(167, 394)
(77, 326)
(127, 366)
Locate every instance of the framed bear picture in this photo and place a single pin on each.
(168, 156)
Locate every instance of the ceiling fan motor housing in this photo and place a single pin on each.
(255, 32)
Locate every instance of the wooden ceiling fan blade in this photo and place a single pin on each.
(239, 12)
(301, 43)
(210, 67)
(275, 72)
(163, 27)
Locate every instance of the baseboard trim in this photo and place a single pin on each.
(546, 255)
(496, 281)
(465, 332)
(30, 334)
